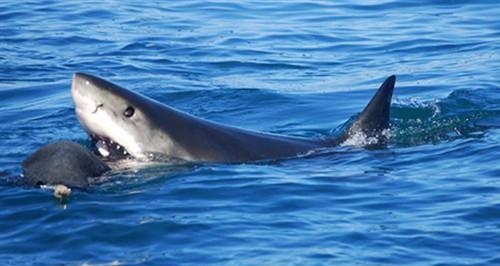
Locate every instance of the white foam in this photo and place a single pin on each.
(360, 139)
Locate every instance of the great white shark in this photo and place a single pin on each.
(123, 122)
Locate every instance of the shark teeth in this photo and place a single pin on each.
(108, 148)
(102, 148)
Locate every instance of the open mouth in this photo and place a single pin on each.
(108, 148)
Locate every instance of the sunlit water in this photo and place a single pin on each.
(290, 67)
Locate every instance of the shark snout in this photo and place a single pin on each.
(83, 93)
(81, 83)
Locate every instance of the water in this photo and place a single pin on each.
(291, 67)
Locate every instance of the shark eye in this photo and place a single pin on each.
(129, 112)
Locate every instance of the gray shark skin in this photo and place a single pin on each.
(117, 118)
(62, 163)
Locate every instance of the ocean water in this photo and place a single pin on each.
(302, 68)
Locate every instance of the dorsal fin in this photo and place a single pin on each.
(369, 129)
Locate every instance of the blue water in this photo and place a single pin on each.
(292, 67)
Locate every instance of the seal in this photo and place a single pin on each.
(62, 163)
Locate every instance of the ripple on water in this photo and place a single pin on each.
(298, 68)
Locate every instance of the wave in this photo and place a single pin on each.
(463, 114)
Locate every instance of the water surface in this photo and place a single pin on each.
(290, 67)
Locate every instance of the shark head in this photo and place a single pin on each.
(114, 117)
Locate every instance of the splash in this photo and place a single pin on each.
(360, 139)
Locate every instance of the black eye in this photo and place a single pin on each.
(129, 112)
